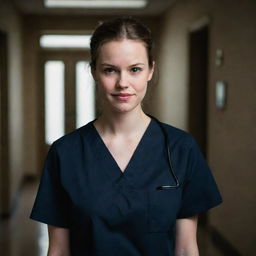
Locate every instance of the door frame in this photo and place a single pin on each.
(69, 57)
(4, 128)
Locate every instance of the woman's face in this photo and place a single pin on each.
(122, 73)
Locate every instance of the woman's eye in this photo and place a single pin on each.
(109, 70)
(136, 69)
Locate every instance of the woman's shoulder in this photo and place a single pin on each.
(74, 138)
(178, 135)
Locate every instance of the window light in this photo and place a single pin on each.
(85, 94)
(54, 101)
(134, 4)
(65, 41)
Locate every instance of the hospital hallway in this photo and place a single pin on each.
(21, 236)
(204, 83)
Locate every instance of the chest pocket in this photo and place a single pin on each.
(163, 206)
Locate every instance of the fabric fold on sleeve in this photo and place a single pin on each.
(200, 191)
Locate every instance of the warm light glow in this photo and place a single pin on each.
(54, 101)
(135, 4)
(65, 41)
(85, 94)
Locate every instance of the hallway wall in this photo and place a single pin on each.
(231, 133)
(10, 23)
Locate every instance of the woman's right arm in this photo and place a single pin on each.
(58, 241)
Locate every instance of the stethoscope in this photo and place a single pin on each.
(171, 168)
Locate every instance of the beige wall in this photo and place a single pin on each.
(232, 133)
(10, 23)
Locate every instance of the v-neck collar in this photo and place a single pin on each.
(110, 164)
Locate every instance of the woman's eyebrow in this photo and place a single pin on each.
(107, 64)
(137, 64)
(111, 65)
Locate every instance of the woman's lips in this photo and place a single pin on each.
(122, 96)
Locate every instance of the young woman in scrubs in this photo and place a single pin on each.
(107, 188)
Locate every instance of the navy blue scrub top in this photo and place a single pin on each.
(110, 212)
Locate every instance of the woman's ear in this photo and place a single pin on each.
(151, 71)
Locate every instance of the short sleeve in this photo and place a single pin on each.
(199, 191)
(52, 203)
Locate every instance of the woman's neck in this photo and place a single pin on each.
(122, 123)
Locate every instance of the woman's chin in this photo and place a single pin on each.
(123, 108)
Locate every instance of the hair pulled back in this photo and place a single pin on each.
(118, 29)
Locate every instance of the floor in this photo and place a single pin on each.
(20, 236)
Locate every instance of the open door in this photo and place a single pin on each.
(198, 87)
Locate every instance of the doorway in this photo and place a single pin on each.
(198, 86)
(4, 143)
(67, 95)
(198, 91)
(198, 107)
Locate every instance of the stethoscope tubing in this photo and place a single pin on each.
(171, 167)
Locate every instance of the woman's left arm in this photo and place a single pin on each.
(186, 242)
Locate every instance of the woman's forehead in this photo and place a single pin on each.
(126, 50)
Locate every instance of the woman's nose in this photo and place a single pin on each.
(122, 81)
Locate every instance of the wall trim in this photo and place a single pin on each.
(223, 244)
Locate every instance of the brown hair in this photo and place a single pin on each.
(118, 29)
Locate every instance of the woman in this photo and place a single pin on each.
(124, 184)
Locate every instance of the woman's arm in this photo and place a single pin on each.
(186, 242)
(58, 241)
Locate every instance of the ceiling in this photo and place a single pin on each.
(36, 7)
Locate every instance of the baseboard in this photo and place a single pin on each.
(223, 244)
